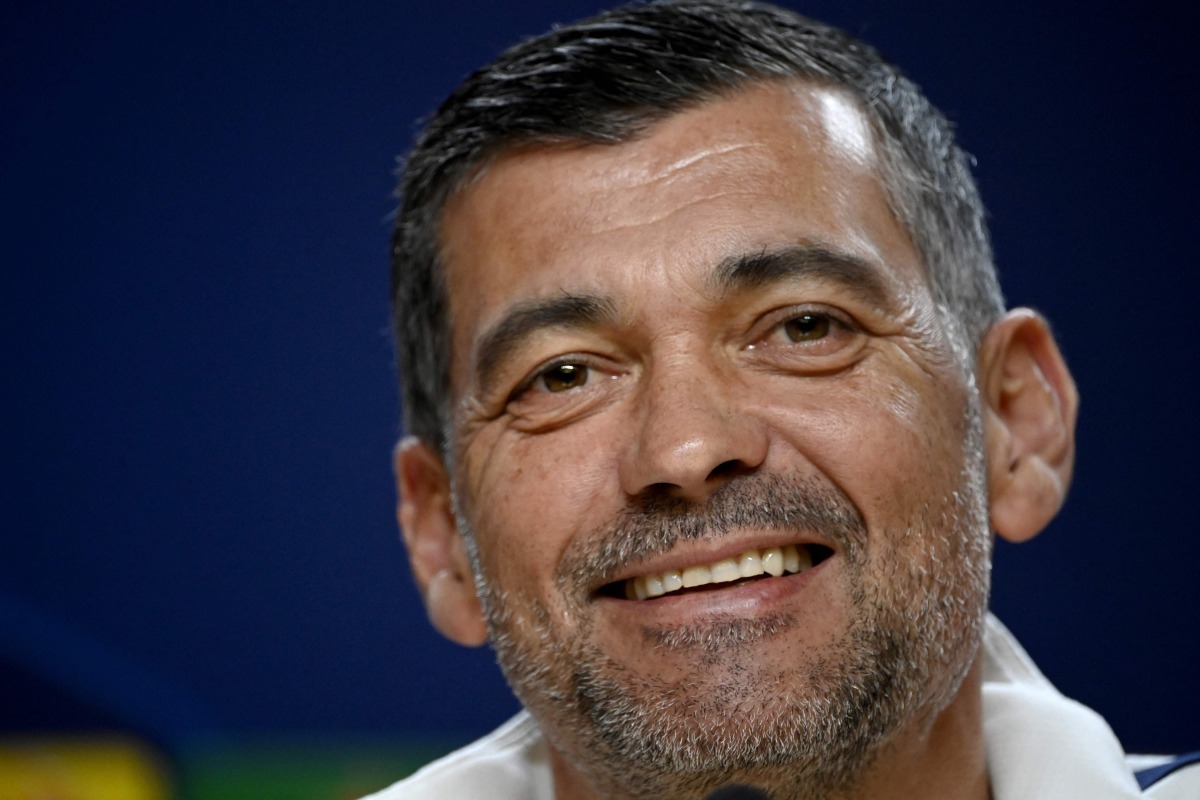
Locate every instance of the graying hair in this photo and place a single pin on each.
(606, 80)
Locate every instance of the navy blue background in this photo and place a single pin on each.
(199, 405)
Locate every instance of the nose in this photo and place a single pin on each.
(691, 434)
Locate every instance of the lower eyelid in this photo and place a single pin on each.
(534, 409)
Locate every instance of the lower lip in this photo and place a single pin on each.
(744, 600)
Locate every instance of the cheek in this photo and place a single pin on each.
(922, 504)
(925, 420)
(889, 442)
(530, 497)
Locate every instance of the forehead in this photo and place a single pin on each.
(771, 166)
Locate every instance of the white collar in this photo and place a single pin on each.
(1040, 744)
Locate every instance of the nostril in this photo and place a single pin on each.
(729, 469)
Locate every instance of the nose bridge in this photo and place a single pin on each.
(693, 430)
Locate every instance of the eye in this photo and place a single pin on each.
(563, 390)
(808, 336)
(807, 327)
(562, 377)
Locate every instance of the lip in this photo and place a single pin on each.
(681, 558)
(732, 599)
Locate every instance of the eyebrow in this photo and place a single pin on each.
(740, 273)
(749, 271)
(566, 311)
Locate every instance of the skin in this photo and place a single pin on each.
(673, 383)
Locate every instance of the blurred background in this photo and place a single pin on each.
(202, 590)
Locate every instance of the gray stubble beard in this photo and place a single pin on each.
(801, 734)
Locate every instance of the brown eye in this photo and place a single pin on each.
(562, 377)
(807, 327)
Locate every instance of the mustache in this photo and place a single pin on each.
(656, 523)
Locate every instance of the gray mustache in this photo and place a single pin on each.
(657, 523)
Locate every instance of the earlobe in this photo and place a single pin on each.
(436, 550)
(1030, 407)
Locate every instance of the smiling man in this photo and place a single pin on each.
(714, 409)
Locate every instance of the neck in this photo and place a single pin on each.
(943, 757)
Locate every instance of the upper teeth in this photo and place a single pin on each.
(771, 561)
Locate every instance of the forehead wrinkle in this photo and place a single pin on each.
(646, 220)
(527, 319)
(673, 171)
(630, 206)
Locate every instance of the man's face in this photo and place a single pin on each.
(713, 349)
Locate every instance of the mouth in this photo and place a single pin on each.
(752, 565)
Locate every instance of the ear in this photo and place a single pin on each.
(435, 547)
(1030, 406)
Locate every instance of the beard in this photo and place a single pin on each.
(806, 727)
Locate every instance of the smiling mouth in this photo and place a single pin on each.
(752, 565)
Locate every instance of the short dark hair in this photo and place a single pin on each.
(607, 79)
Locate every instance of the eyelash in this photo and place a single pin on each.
(541, 372)
(835, 322)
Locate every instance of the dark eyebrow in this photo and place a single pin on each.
(527, 319)
(755, 270)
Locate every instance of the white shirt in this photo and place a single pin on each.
(1040, 746)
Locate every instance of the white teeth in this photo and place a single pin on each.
(791, 559)
(749, 564)
(672, 580)
(725, 571)
(774, 561)
(696, 576)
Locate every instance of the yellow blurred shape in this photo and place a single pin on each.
(80, 769)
